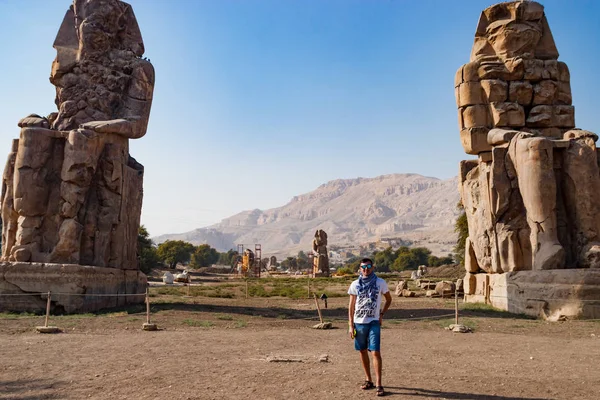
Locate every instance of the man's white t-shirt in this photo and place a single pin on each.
(366, 309)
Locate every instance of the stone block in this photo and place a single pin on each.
(520, 92)
(516, 69)
(508, 114)
(533, 69)
(78, 285)
(499, 136)
(554, 133)
(495, 90)
(564, 96)
(457, 98)
(544, 92)
(551, 294)
(509, 70)
(550, 70)
(445, 288)
(470, 93)
(400, 287)
(563, 72)
(540, 117)
(469, 282)
(485, 157)
(469, 72)
(470, 257)
(458, 78)
(564, 116)
(475, 116)
(474, 140)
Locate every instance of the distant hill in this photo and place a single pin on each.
(352, 212)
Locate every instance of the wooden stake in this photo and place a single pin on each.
(308, 296)
(456, 307)
(47, 310)
(318, 308)
(147, 307)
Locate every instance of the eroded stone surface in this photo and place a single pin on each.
(74, 288)
(71, 191)
(529, 196)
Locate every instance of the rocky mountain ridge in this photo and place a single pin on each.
(352, 211)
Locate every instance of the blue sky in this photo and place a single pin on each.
(257, 101)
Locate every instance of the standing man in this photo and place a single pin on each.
(364, 319)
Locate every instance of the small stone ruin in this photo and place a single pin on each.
(71, 193)
(531, 196)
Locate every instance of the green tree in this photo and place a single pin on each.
(228, 258)
(302, 260)
(290, 263)
(204, 256)
(462, 228)
(148, 258)
(434, 261)
(384, 259)
(172, 252)
(405, 261)
(421, 255)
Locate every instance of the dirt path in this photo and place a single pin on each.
(217, 349)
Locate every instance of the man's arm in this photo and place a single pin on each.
(351, 307)
(388, 303)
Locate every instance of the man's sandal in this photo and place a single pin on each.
(380, 391)
(367, 385)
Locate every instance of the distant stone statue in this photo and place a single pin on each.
(531, 197)
(272, 263)
(72, 194)
(321, 256)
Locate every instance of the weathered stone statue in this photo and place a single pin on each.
(273, 263)
(321, 256)
(72, 194)
(531, 196)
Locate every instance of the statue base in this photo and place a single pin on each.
(552, 294)
(73, 288)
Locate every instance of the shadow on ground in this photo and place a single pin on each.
(29, 389)
(438, 394)
(331, 313)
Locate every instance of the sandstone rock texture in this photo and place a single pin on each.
(321, 256)
(71, 192)
(530, 196)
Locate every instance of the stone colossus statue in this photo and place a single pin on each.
(531, 196)
(71, 191)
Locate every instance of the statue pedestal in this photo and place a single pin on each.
(73, 288)
(551, 294)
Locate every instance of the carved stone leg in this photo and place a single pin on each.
(582, 186)
(82, 152)
(533, 160)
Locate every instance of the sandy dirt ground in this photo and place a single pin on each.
(218, 348)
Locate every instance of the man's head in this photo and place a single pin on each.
(366, 266)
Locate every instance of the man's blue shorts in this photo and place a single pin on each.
(367, 336)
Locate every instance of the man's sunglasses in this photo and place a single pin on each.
(366, 266)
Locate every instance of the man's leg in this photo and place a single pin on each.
(364, 358)
(374, 347)
(377, 364)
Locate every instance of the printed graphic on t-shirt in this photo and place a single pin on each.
(366, 307)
